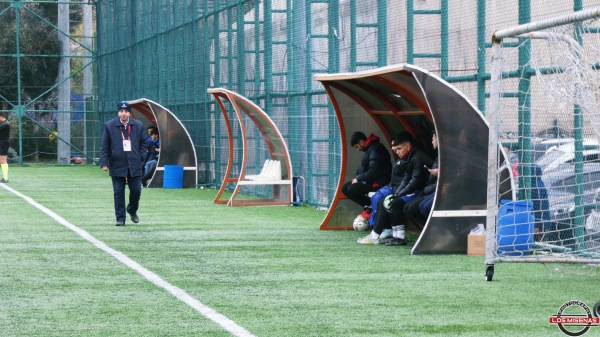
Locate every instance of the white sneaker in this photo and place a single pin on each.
(367, 240)
(387, 233)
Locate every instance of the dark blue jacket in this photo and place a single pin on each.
(152, 153)
(111, 148)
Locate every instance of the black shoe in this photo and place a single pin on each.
(397, 242)
(135, 218)
(4, 181)
(120, 223)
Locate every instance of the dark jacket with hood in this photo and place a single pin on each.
(376, 164)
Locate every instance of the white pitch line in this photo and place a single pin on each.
(204, 310)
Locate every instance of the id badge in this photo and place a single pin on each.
(126, 145)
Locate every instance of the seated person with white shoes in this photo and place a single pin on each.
(408, 179)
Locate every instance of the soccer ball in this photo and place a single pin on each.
(387, 203)
(360, 224)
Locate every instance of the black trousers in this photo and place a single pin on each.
(385, 219)
(135, 192)
(358, 192)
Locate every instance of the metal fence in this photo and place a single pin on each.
(172, 51)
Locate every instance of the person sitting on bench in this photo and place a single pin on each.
(374, 171)
(408, 178)
(419, 208)
(153, 151)
(151, 157)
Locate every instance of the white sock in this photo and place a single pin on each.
(374, 236)
(398, 232)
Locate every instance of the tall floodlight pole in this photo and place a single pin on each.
(64, 90)
(87, 72)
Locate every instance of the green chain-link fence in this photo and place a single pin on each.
(172, 51)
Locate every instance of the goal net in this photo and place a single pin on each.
(545, 107)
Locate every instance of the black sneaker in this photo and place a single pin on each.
(397, 242)
(4, 181)
(120, 223)
(135, 218)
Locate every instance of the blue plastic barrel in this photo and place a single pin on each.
(515, 227)
(173, 176)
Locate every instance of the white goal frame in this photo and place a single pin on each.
(529, 30)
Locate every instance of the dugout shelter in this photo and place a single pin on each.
(391, 99)
(176, 145)
(276, 173)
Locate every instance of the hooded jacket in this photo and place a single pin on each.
(376, 164)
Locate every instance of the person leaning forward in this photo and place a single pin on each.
(374, 171)
(122, 153)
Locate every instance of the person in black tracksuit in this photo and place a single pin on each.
(409, 176)
(374, 170)
(419, 208)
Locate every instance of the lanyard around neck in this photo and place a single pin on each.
(128, 131)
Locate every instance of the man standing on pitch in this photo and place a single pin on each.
(4, 145)
(122, 153)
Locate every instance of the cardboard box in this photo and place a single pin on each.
(476, 245)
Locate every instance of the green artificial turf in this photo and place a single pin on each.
(268, 269)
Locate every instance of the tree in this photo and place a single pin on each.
(38, 53)
(37, 38)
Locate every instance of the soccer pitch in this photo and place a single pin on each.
(265, 271)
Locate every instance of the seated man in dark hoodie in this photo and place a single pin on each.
(374, 171)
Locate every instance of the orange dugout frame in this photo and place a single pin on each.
(388, 100)
(278, 151)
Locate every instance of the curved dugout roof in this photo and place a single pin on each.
(388, 100)
(176, 146)
(278, 150)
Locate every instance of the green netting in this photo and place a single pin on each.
(172, 51)
(46, 81)
(269, 51)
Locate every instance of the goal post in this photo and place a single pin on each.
(545, 110)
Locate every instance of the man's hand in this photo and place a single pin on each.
(354, 181)
(433, 172)
(104, 168)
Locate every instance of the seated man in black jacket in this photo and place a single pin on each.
(419, 208)
(373, 173)
(408, 179)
